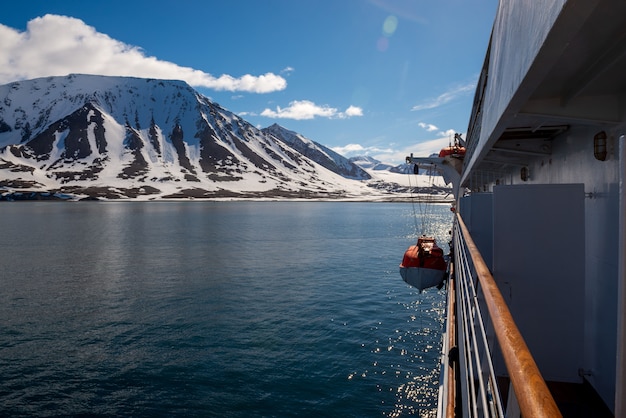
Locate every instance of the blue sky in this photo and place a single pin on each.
(381, 77)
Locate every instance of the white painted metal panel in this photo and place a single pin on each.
(539, 265)
(476, 210)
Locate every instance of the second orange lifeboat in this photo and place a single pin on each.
(452, 151)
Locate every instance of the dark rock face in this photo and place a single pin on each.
(139, 166)
(177, 139)
(75, 143)
(212, 153)
(154, 140)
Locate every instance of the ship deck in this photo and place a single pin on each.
(574, 400)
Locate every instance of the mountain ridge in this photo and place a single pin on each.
(318, 152)
(124, 137)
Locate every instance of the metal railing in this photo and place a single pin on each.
(476, 389)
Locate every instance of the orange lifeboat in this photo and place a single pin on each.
(424, 264)
(452, 151)
(457, 150)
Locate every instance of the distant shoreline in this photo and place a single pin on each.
(105, 195)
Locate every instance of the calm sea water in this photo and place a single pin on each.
(229, 309)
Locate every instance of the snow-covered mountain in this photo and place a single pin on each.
(366, 162)
(123, 137)
(319, 153)
(371, 163)
(128, 137)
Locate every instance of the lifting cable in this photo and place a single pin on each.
(413, 202)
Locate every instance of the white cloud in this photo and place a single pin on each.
(59, 45)
(353, 111)
(418, 149)
(396, 155)
(353, 150)
(428, 126)
(446, 97)
(306, 109)
(350, 150)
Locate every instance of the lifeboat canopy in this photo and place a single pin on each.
(424, 264)
(456, 151)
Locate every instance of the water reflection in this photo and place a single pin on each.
(246, 308)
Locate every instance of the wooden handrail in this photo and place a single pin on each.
(533, 396)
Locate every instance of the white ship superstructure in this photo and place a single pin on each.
(541, 193)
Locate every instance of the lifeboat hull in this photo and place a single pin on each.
(422, 278)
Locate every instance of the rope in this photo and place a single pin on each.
(424, 202)
(413, 205)
(425, 205)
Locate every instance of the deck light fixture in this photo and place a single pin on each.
(599, 146)
(524, 174)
